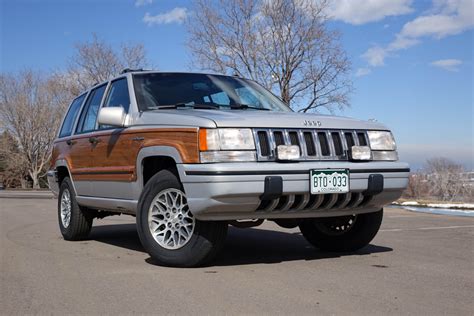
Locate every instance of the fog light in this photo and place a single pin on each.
(361, 153)
(288, 152)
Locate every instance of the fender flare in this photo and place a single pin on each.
(64, 163)
(154, 151)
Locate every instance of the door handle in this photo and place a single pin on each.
(93, 140)
(70, 142)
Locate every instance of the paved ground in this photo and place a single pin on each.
(418, 264)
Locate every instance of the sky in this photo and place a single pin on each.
(411, 60)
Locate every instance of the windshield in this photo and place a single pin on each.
(172, 90)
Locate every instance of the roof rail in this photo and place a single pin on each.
(126, 70)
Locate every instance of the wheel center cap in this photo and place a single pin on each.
(175, 219)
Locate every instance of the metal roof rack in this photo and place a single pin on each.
(127, 70)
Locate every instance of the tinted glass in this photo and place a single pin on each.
(66, 129)
(118, 95)
(159, 89)
(89, 114)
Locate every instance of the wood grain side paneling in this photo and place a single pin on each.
(113, 157)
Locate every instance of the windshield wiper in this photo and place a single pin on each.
(183, 105)
(240, 106)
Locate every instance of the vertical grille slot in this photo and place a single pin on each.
(362, 140)
(310, 147)
(264, 144)
(336, 139)
(294, 138)
(349, 140)
(323, 142)
(279, 139)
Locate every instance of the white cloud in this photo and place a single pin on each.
(446, 17)
(447, 64)
(375, 56)
(363, 72)
(177, 15)
(364, 11)
(141, 3)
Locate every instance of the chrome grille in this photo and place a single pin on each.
(314, 144)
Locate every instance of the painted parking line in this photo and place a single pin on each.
(446, 227)
(402, 216)
(426, 228)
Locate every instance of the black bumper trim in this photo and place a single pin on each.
(273, 188)
(280, 172)
(375, 185)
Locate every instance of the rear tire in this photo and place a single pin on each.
(168, 230)
(75, 222)
(342, 233)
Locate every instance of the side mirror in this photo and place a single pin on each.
(113, 116)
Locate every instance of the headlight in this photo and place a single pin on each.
(226, 139)
(228, 156)
(227, 145)
(381, 140)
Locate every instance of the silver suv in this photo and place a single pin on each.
(188, 154)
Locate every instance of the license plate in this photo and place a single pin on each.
(329, 181)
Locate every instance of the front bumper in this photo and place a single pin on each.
(231, 191)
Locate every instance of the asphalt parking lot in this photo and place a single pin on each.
(418, 264)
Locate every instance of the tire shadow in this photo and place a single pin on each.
(242, 246)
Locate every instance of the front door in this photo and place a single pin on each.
(114, 151)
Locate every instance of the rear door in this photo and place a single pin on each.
(67, 147)
(81, 163)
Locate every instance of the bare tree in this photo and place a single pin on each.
(418, 186)
(96, 61)
(12, 167)
(445, 179)
(31, 107)
(285, 45)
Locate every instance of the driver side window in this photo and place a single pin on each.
(118, 95)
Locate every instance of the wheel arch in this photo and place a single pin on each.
(63, 171)
(151, 160)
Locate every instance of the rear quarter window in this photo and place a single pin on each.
(68, 124)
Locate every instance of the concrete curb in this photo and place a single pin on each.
(26, 195)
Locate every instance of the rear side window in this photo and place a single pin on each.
(89, 114)
(118, 95)
(66, 129)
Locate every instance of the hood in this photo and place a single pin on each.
(254, 119)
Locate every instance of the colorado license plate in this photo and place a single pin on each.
(329, 181)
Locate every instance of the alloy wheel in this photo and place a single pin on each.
(170, 221)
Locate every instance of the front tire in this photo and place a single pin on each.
(342, 233)
(75, 222)
(168, 230)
